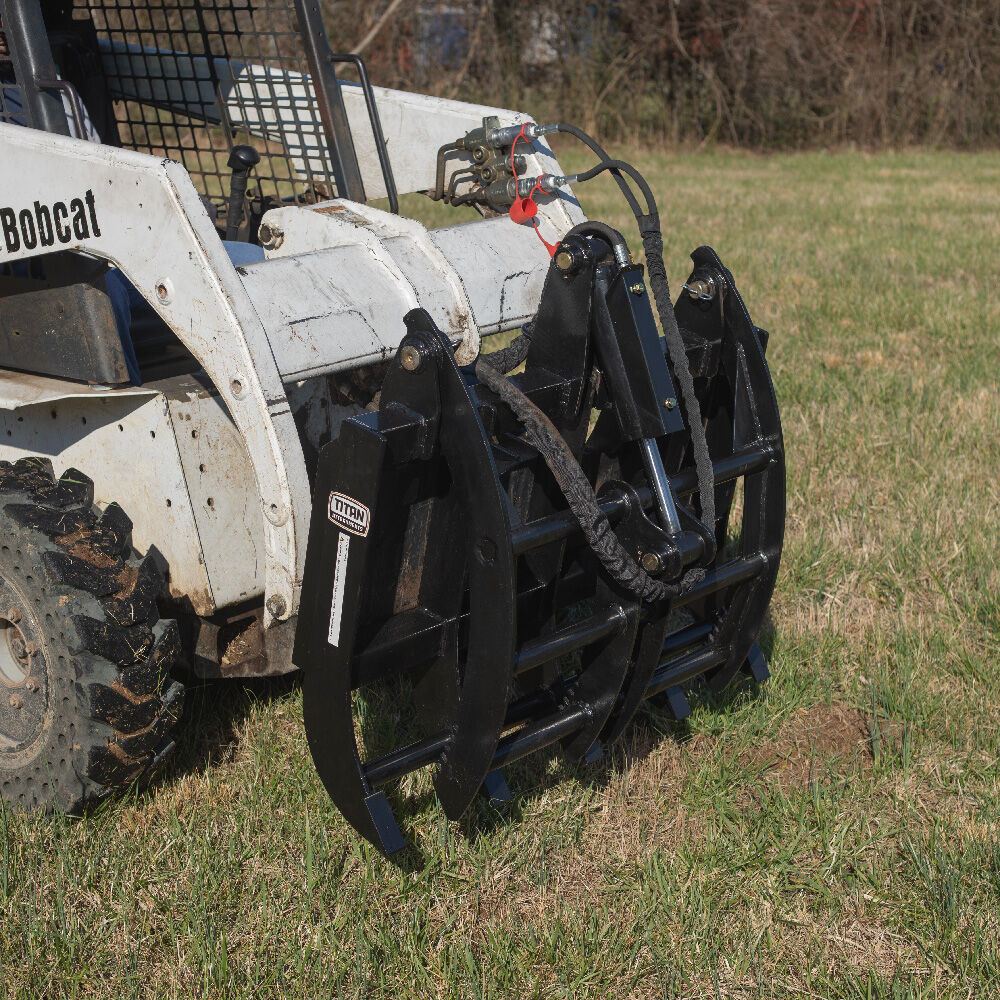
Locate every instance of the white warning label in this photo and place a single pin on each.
(339, 582)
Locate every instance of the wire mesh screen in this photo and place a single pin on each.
(11, 103)
(193, 78)
(11, 107)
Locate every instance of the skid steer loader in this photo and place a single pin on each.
(235, 392)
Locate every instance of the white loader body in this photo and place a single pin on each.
(210, 464)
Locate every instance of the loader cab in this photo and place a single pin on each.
(243, 94)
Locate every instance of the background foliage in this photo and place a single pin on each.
(753, 73)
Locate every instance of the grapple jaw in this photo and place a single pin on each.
(537, 575)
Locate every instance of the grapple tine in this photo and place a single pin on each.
(756, 665)
(601, 677)
(485, 688)
(326, 654)
(753, 423)
(647, 659)
(496, 788)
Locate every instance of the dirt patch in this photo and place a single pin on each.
(78, 544)
(820, 739)
(816, 741)
(126, 581)
(821, 742)
(244, 644)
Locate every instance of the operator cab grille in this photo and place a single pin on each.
(191, 79)
(11, 103)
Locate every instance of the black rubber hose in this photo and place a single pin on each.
(559, 457)
(626, 168)
(593, 145)
(508, 358)
(602, 231)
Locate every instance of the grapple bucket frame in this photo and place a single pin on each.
(442, 546)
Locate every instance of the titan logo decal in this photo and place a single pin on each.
(349, 514)
(46, 225)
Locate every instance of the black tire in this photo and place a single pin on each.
(87, 704)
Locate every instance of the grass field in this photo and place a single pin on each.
(834, 834)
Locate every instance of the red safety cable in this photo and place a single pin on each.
(525, 209)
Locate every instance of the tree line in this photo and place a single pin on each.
(753, 73)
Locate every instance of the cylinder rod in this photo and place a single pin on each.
(665, 504)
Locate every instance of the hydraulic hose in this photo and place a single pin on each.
(593, 145)
(652, 242)
(580, 496)
(576, 488)
(508, 358)
(611, 236)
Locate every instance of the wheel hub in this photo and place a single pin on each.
(23, 674)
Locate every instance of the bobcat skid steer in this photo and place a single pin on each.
(236, 393)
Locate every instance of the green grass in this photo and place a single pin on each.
(834, 835)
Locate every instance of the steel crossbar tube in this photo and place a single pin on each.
(426, 751)
(569, 639)
(676, 672)
(553, 726)
(685, 637)
(535, 534)
(727, 575)
(536, 736)
(741, 463)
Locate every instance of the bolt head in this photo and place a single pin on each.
(670, 402)
(276, 605)
(638, 288)
(31, 684)
(564, 260)
(650, 562)
(16, 701)
(701, 290)
(14, 614)
(409, 358)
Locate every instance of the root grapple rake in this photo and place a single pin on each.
(538, 574)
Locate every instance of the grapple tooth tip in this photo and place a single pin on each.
(385, 823)
(678, 703)
(756, 664)
(496, 788)
(594, 754)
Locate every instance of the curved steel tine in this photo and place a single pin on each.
(756, 419)
(600, 681)
(488, 670)
(652, 634)
(331, 595)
